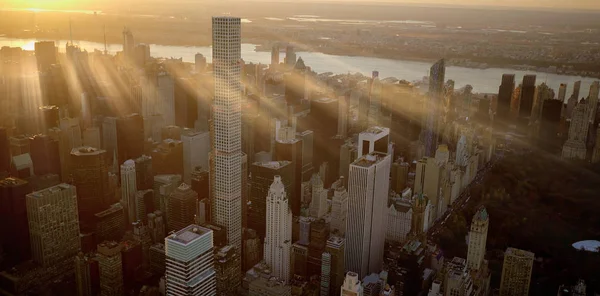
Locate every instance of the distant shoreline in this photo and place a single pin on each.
(264, 46)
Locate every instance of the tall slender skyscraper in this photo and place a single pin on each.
(190, 262)
(477, 239)
(367, 213)
(437, 75)
(505, 93)
(278, 242)
(526, 102)
(129, 189)
(227, 132)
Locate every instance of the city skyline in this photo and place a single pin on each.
(145, 175)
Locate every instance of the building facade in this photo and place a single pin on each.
(226, 152)
(190, 262)
(53, 224)
(477, 239)
(278, 240)
(516, 272)
(367, 213)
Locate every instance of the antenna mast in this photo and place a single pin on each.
(71, 30)
(105, 47)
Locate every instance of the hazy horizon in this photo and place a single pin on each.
(103, 4)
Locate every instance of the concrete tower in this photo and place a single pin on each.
(367, 213)
(190, 262)
(477, 239)
(226, 139)
(129, 188)
(278, 242)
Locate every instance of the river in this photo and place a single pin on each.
(482, 80)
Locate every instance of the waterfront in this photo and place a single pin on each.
(482, 80)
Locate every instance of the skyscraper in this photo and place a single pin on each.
(262, 175)
(505, 93)
(339, 210)
(275, 55)
(181, 208)
(190, 262)
(375, 99)
(128, 44)
(278, 241)
(111, 268)
(129, 189)
(83, 278)
(226, 152)
(437, 74)
(367, 212)
(526, 102)
(318, 204)
(516, 272)
(290, 149)
(335, 247)
(130, 137)
(90, 176)
(573, 99)
(575, 146)
(196, 146)
(477, 239)
(53, 224)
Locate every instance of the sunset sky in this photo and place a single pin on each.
(98, 4)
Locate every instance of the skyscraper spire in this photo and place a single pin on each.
(105, 47)
(71, 31)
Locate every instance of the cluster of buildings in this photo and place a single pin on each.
(147, 176)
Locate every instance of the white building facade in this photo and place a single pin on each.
(226, 153)
(368, 188)
(278, 240)
(190, 263)
(129, 189)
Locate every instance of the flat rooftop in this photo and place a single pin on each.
(369, 159)
(188, 234)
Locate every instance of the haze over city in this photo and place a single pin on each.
(306, 148)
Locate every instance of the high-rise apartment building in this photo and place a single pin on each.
(437, 74)
(505, 93)
(45, 155)
(144, 175)
(375, 99)
(129, 189)
(181, 208)
(399, 179)
(367, 213)
(550, 124)
(4, 150)
(318, 204)
(196, 146)
(352, 285)
(227, 117)
(128, 44)
(526, 101)
(592, 101)
(190, 262)
(335, 248)
(516, 272)
(111, 268)
(53, 224)
(90, 176)
(278, 240)
(167, 157)
(45, 54)
(477, 239)
(163, 186)
(575, 146)
(275, 55)
(339, 210)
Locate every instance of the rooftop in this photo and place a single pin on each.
(370, 159)
(86, 150)
(375, 130)
(273, 164)
(518, 253)
(188, 234)
(51, 190)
